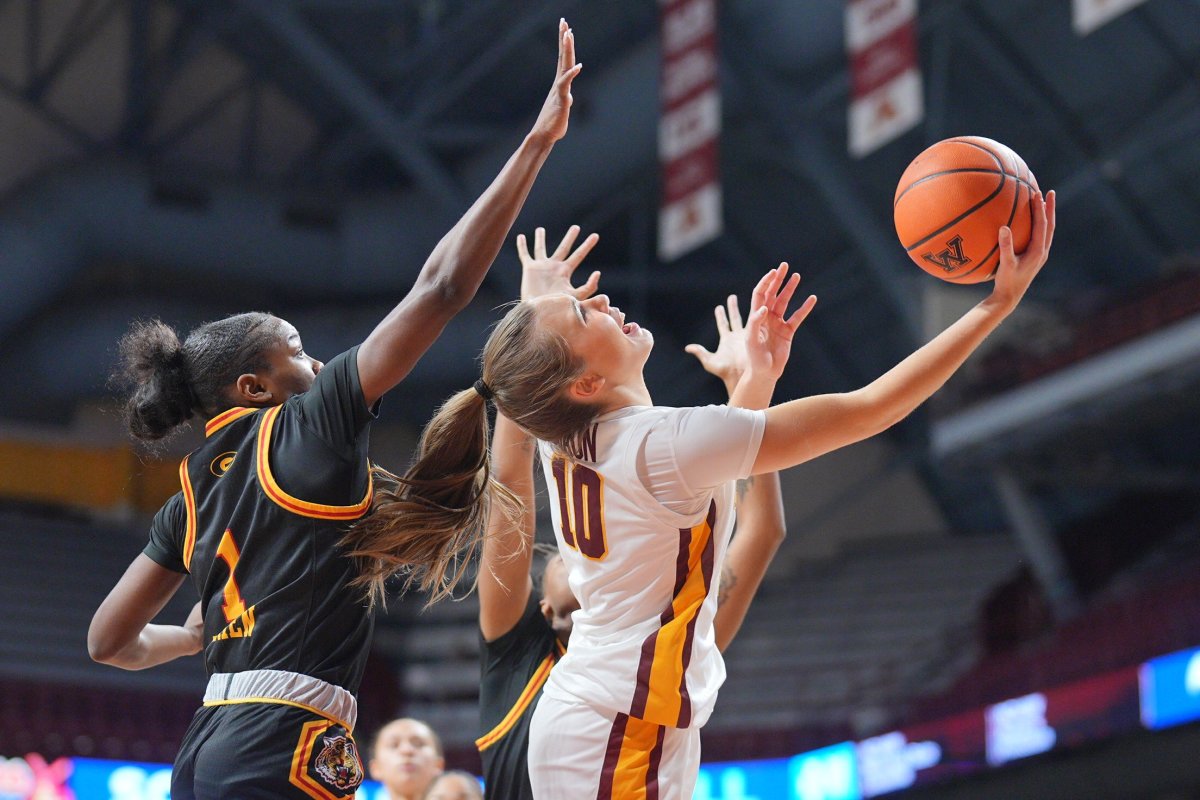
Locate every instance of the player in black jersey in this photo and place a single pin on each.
(523, 636)
(284, 528)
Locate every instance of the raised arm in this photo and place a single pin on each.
(504, 579)
(507, 556)
(801, 430)
(121, 634)
(760, 519)
(761, 528)
(456, 267)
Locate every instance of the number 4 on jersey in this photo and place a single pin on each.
(580, 507)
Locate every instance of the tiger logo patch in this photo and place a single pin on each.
(338, 763)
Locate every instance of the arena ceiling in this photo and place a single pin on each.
(193, 158)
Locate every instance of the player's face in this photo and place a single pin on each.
(406, 758)
(558, 602)
(290, 370)
(452, 787)
(599, 334)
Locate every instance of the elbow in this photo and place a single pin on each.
(103, 648)
(101, 651)
(451, 289)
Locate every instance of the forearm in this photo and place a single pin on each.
(760, 530)
(900, 390)
(800, 430)
(155, 644)
(461, 259)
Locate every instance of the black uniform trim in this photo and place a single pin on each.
(513, 671)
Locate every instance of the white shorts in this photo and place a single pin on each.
(580, 752)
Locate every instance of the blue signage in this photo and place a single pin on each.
(1170, 689)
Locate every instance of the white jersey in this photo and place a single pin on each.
(643, 512)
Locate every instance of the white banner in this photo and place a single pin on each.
(1087, 15)
(887, 96)
(689, 129)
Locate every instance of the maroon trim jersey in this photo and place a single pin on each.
(256, 525)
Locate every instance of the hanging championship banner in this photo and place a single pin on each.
(689, 212)
(1087, 15)
(886, 97)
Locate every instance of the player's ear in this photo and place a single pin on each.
(250, 390)
(586, 387)
(547, 611)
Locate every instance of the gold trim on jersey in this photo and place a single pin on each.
(527, 694)
(323, 715)
(225, 417)
(281, 498)
(189, 502)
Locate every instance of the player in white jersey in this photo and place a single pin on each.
(642, 496)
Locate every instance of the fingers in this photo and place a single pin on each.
(539, 244)
(735, 314)
(589, 288)
(699, 351)
(564, 247)
(1007, 256)
(522, 249)
(566, 47)
(576, 258)
(722, 321)
(800, 314)
(766, 287)
(780, 304)
(1037, 240)
(563, 38)
(1051, 217)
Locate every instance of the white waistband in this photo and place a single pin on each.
(273, 685)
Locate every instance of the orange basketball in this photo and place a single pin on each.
(953, 199)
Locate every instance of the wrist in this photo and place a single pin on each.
(998, 304)
(539, 141)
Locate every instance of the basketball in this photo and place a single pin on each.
(953, 199)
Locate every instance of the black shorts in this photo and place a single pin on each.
(256, 751)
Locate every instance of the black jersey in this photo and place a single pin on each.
(513, 669)
(256, 525)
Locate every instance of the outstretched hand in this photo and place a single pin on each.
(543, 274)
(552, 121)
(768, 333)
(730, 359)
(1015, 273)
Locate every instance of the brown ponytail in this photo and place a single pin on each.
(428, 523)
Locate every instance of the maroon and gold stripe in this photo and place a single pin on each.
(661, 694)
(631, 760)
(189, 502)
(302, 507)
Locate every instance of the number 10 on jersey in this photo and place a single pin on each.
(580, 507)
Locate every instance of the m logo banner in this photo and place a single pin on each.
(690, 211)
(887, 98)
